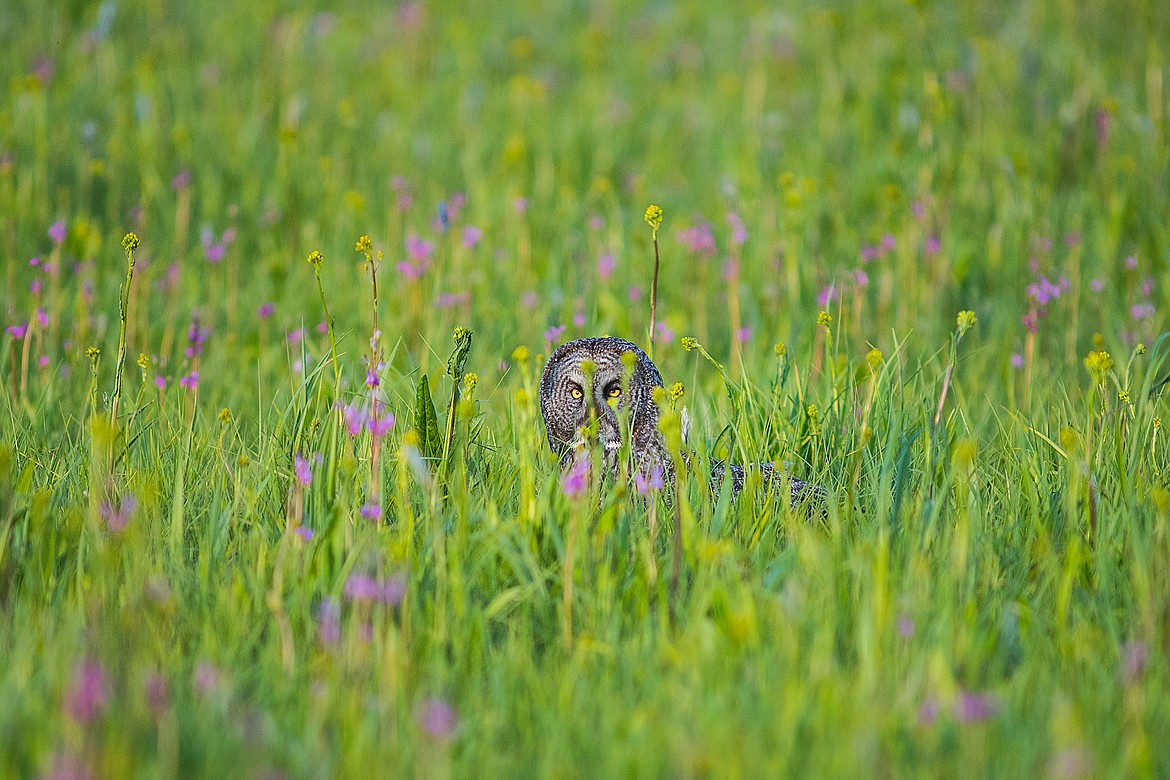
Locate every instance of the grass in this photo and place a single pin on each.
(203, 573)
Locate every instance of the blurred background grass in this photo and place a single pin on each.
(984, 597)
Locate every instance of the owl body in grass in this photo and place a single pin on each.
(570, 397)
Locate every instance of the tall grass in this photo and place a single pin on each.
(235, 562)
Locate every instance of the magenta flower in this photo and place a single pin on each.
(89, 693)
(646, 483)
(42, 318)
(265, 311)
(161, 383)
(354, 418)
(1072, 240)
(472, 235)
(215, 253)
(605, 266)
(889, 243)
(869, 253)
(182, 180)
(665, 334)
(932, 245)
(451, 300)
(419, 250)
(305, 533)
(1017, 361)
(596, 222)
(117, 517)
(520, 205)
(371, 512)
(1141, 311)
(731, 270)
(437, 718)
(196, 338)
(699, 239)
(17, 331)
(860, 278)
(634, 294)
(530, 300)
(303, 470)
(364, 588)
(554, 333)
(381, 424)
(826, 296)
(189, 382)
(410, 270)
(905, 626)
(43, 361)
(743, 335)
(575, 480)
(57, 232)
(1131, 262)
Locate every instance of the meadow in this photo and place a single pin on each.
(279, 279)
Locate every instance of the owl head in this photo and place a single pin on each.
(570, 396)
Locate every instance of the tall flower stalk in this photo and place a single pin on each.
(316, 259)
(129, 244)
(373, 370)
(654, 220)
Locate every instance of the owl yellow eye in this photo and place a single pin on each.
(614, 392)
(576, 393)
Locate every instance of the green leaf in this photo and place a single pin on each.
(1159, 374)
(426, 421)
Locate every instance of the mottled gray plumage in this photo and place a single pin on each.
(568, 399)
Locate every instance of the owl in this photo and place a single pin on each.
(572, 393)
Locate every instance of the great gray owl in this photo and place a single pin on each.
(568, 399)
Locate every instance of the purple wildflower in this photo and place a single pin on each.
(419, 250)
(743, 335)
(731, 270)
(889, 243)
(869, 253)
(437, 718)
(579, 320)
(596, 222)
(664, 331)
(1097, 286)
(646, 483)
(1072, 239)
(117, 517)
(89, 694)
(576, 479)
(699, 239)
(451, 300)
(305, 533)
(554, 333)
(329, 622)
(189, 382)
(17, 331)
(1131, 262)
(57, 232)
(157, 694)
(196, 337)
(410, 270)
(182, 180)
(1017, 361)
(634, 294)
(605, 266)
(530, 300)
(215, 253)
(520, 205)
(1141, 311)
(303, 470)
(472, 235)
(974, 707)
(380, 425)
(826, 296)
(928, 711)
(371, 511)
(738, 231)
(860, 278)
(161, 383)
(207, 678)
(933, 245)
(355, 419)
(1134, 656)
(265, 311)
